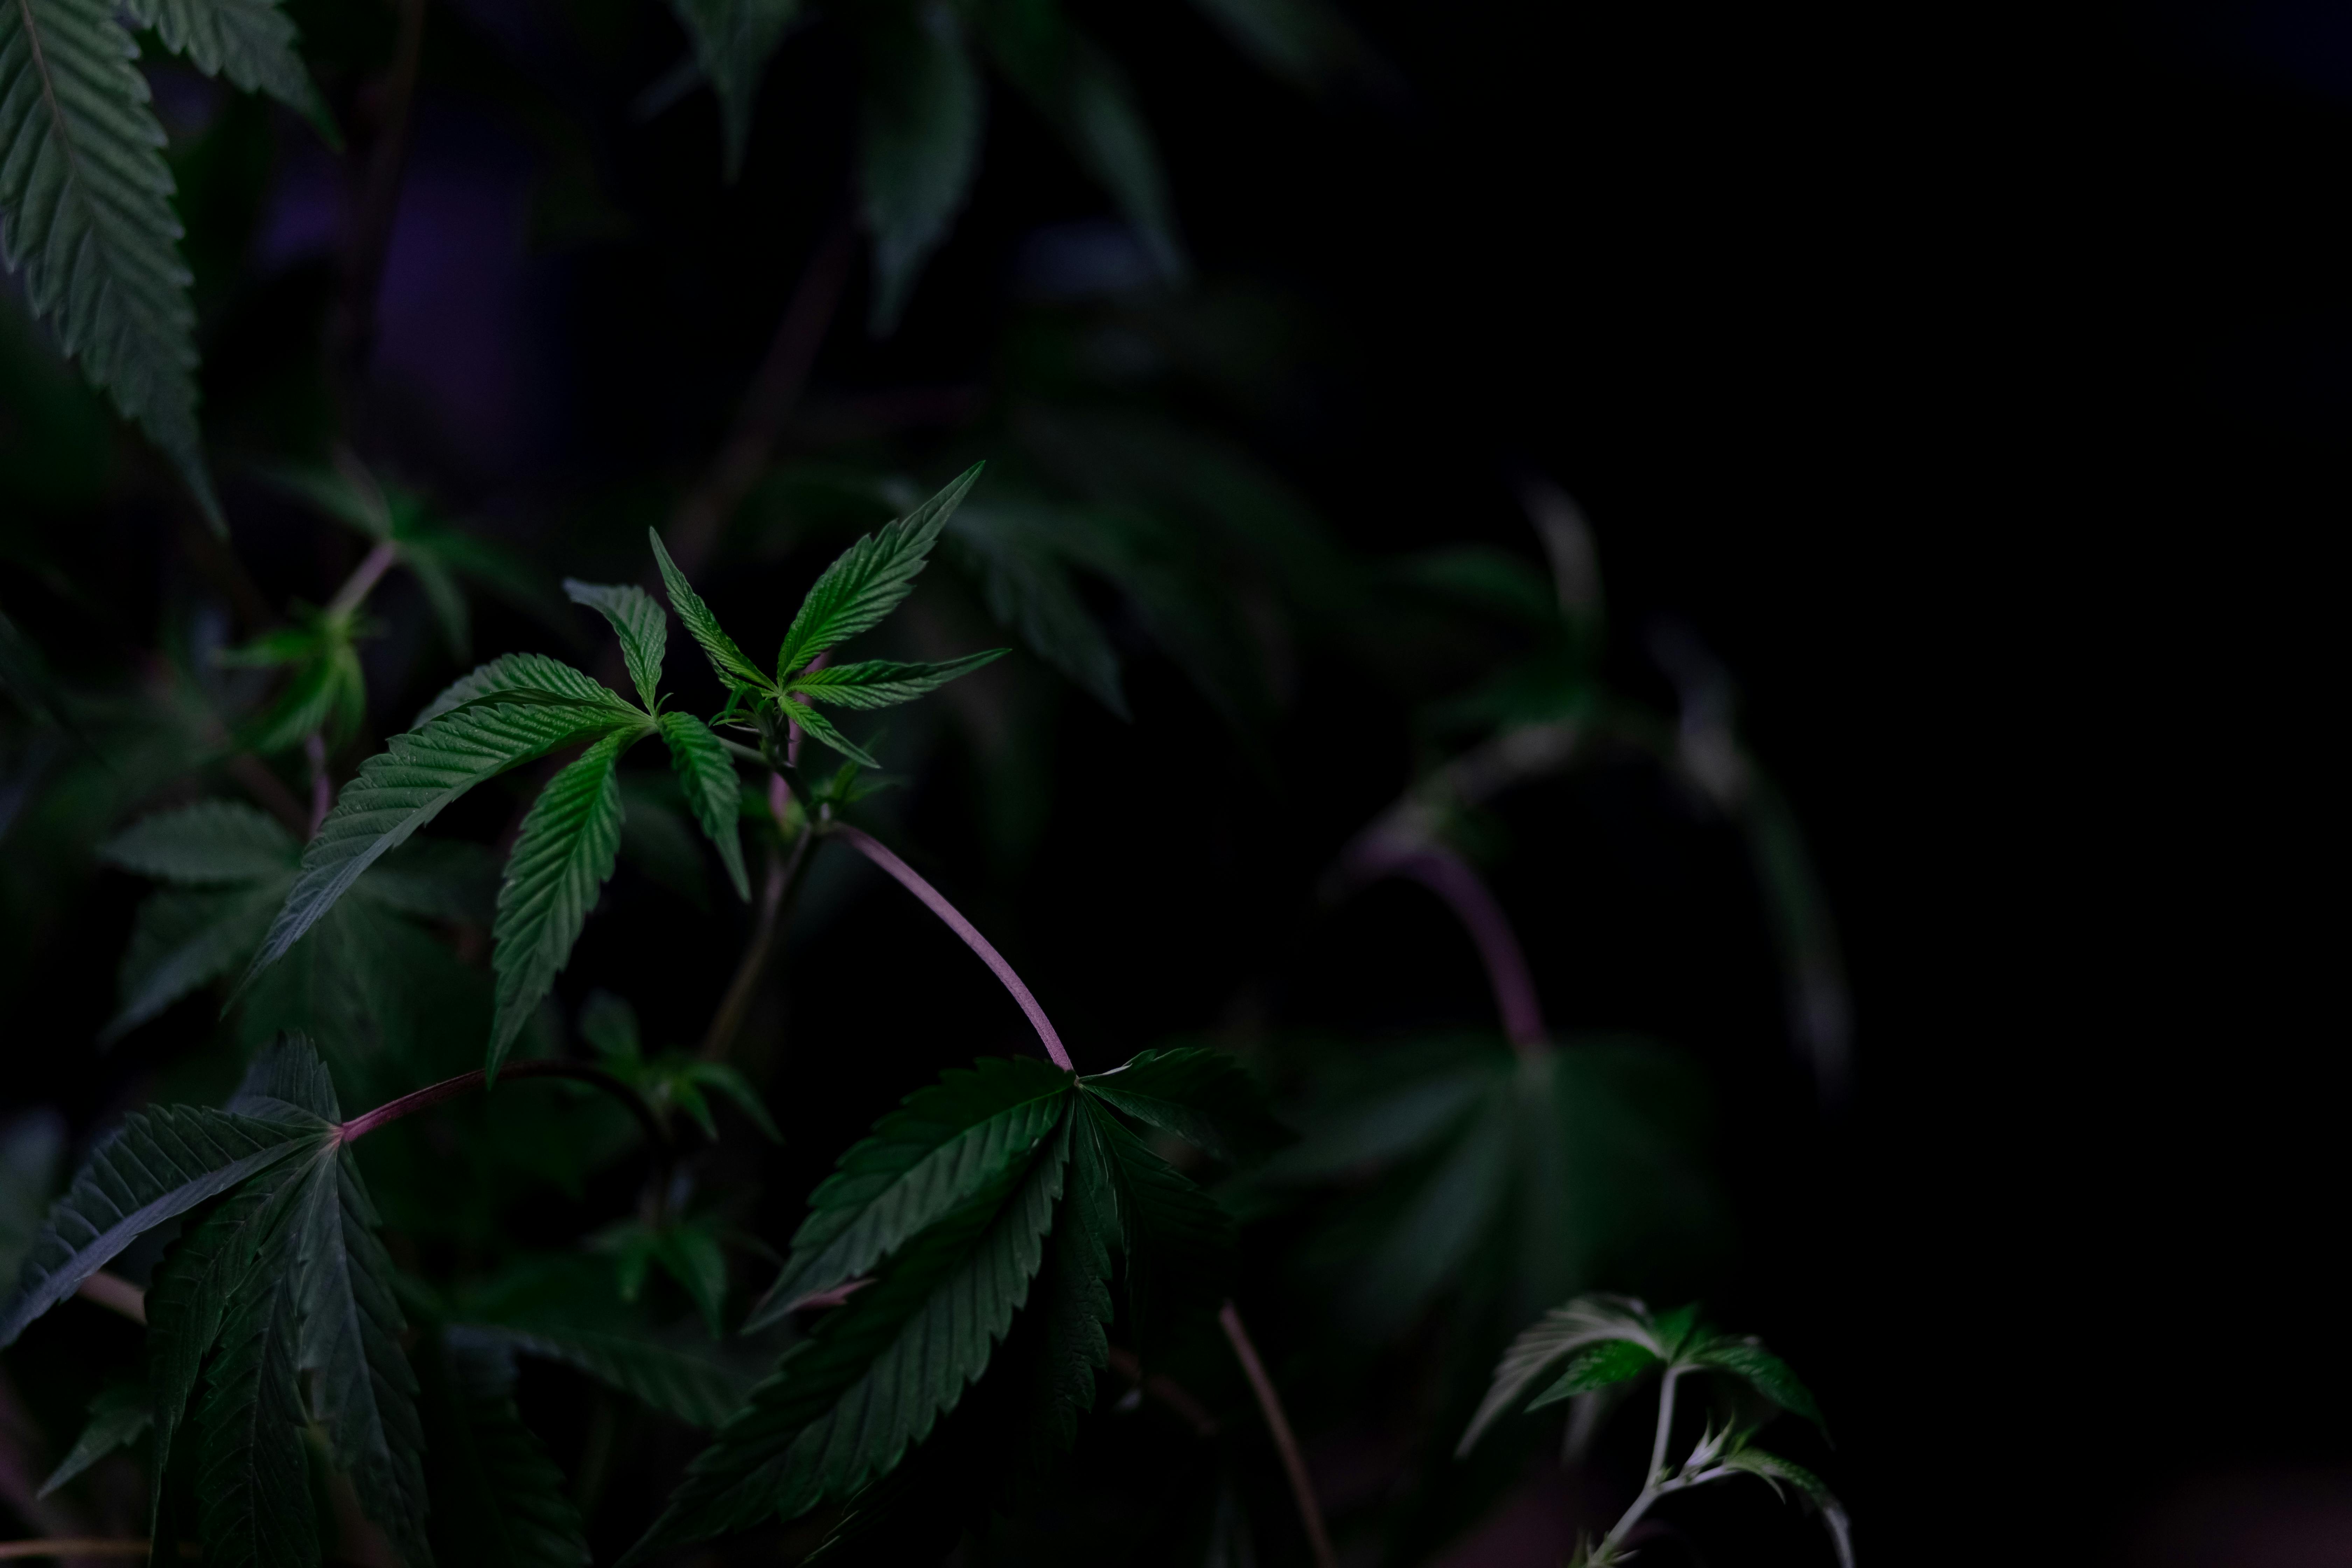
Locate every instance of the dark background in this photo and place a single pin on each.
(1973, 383)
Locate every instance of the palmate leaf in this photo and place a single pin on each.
(706, 774)
(251, 42)
(497, 1500)
(869, 580)
(844, 1406)
(727, 661)
(563, 857)
(880, 683)
(1206, 1098)
(86, 215)
(733, 40)
(637, 620)
(405, 786)
(163, 1163)
(945, 1144)
(919, 144)
(253, 1481)
(982, 1156)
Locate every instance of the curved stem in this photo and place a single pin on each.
(775, 894)
(360, 1126)
(1269, 1403)
(116, 1294)
(909, 879)
(102, 1546)
(1449, 876)
(1654, 1485)
(363, 579)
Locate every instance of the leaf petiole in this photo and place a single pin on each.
(391, 1110)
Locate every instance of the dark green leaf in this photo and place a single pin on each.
(86, 218)
(610, 1024)
(948, 1142)
(1178, 1242)
(32, 1147)
(880, 683)
(205, 844)
(190, 1295)
(1775, 1470)
(726, 1080)
(637, 620)
(119, 1417)
(1445, 1219)
(434, 879)
(694, 1389)
(363, 1392)
(869, 579)
(561, 860)
(1074, 1294)
(727, 661)
(254, 1479)
(917, 148)
(820, 728)
(732, 42)
(656, 839)
(522, 678)
(1206, 1098)
(163, 1163)
(183, 939)
(287, 1082)
(498, 1499)
(689, 1252)
(1381, 1127)
(403, 787)
(1759, 1368)
(1596, 1367)
(1029, 589)
(251, 42)
(1304, 41)
(843, 1405)
(1559, 1334)
(706, 773)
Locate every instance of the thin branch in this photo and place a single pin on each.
(913, 882)
(359, 1127)
(1450, 876)
(363, 579)
(116, 1294)
(100, 1546)
(695, 527)
(354, 333)
(1655, 1485)
(322, 787)
(1269, 1403)
(1165, 1389)
(783, 882)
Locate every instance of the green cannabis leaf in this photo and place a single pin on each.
(1598, 1341)
(499, 1499)
(918, 144)
(952, 1206)
(86, 215)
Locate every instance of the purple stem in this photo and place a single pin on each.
(911, 881)
(360, 1126)
(1449, 876)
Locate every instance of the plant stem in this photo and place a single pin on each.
(695, 527)
(783, 882)
(1654, 1485)
(352, 338)
(1269, 1403)
(913, 882)
(116, 1294)
(360, 1126)
(101, 1546)
(363, 579)
(1449, 876)
(322, 788)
